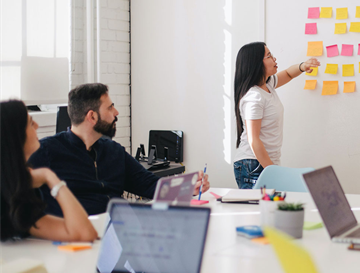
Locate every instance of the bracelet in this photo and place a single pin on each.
(55, 190)
(300, 67)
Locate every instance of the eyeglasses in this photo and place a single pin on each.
(269, 56)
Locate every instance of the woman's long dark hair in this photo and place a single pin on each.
(250, 71)
(20, 205)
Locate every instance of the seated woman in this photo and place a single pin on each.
(22, 211)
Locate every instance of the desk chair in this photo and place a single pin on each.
(283, 178)
(62, 119)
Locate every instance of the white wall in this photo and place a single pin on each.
(182, 66)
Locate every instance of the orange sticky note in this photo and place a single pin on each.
(310, 84)
(349, 87)
(74, 247)
(331, 69)
(329, 88)
(314, 72)
(340, 28)
(326, 13)
(357, 13)
(315, 48)
(354, 27)
(261, 240)
(341, 13)
(348, 70)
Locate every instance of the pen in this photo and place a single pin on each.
(202, 180)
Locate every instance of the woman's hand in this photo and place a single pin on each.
(205, 185)
(309, 65)
(43, 176)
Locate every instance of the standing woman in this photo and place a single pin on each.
(259, 111)
(22, 211)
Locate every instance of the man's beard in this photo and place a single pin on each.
(105, 128)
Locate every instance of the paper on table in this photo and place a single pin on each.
(239, 195)
(326, 13)
(293, 257)
(349, 87)
(340, 28)
(315, 48)
(332, 51)
(310, 28)
(331, 69)
(341, 13)
(310, 84)
(329, 88)
(348, 70)
(347, 50)
(313, 13)
(314, 72)
(354, 27)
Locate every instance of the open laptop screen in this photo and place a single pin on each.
(330, 200)
(143, 238)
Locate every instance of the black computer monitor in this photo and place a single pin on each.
(173, 140)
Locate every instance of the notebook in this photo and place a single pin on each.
(153, 238)
(333, 206)
(176, 189)
(248, 196)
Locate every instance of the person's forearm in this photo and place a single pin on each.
(294, 70)
(260, 153)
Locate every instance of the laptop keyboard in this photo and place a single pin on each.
(354, 234)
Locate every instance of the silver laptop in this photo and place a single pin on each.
(176, 189)
(333, 206)
(153, 238)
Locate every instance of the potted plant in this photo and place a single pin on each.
(289, 218)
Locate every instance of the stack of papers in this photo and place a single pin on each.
(244, 196)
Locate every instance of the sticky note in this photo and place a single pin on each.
(347, 50)
(198, 202)
(261, 240)
(314, 72)
(349, 87)
(310, 84)
(315, 48)
(357, 13)
(332, 51)
(74, 247)
(312, 225)
(329, 88)
(354, 27)
(292, 256)
(310, 28)
(331, 69)
(341, 13)
(313, 13)
(348, 70)
(359, 50)
(340, 28)
(326, 13)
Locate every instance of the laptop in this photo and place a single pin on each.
(176, 189)
(153, 238)
(333, 206)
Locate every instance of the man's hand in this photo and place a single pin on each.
(206, 183)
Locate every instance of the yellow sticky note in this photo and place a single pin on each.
(341, 13)
(357, 14)
(315, 48)
(349, 87)
(348, 70)
(331, 69)
(292, 257)
(326, 13)
(310, 84)
(314, 72)
(329, 88)
(354, 27)
(340, 28)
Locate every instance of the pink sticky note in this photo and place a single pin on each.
(310, 28)
(332, 50)
(215, 195)
(347, 50)
(359, 50)
(313, 13)
(198, 202)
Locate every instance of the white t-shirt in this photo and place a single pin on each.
(259, 104)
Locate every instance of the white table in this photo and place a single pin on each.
(224, 250)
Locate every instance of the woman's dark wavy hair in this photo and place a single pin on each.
(20, 205)
(250, 71)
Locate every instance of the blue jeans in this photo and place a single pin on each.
(247, 172)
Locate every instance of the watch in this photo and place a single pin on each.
(55, 190)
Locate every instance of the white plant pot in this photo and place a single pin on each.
(290, 222)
